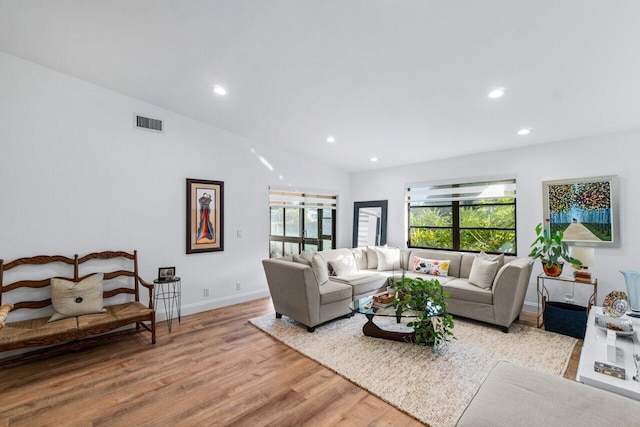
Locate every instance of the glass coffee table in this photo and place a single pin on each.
(367, 307)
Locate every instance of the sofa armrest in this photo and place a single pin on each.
(509, 290)
(294, 290)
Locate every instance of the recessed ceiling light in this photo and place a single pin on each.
(219, 90)
(497, 93)
(374, 159)
(524, 131)
(331, 139)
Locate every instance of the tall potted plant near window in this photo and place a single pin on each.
(551, 250)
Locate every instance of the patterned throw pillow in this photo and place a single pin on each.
(434, 267)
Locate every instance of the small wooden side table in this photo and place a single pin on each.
(170, 292)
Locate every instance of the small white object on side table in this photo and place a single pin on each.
(597, 347)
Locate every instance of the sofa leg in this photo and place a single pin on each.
(278, 315)
(504, 329)
(310, 329)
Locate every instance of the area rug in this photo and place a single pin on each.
(433, 387)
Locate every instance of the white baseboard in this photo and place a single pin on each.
(530, 307)
(214, 303)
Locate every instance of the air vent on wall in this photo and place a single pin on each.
(147, 123)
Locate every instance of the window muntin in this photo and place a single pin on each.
(308, 222)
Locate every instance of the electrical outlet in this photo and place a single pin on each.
(238, 287)
(239, 234)
(206, 292)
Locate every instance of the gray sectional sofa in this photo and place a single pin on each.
(315, 288)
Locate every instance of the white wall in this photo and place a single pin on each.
(76, 177)
(613, 154)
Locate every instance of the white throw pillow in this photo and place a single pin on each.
(487, 257)
(372, 257)
(435, 267)
(343, 266)
(360, 255)
(319, 269)
(483, 272)
(388, 259)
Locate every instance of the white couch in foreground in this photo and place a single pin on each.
(315, 288)
(513, 395)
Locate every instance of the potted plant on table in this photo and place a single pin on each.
(426, 298)
(551, 250)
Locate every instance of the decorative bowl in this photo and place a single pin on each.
(616, 303)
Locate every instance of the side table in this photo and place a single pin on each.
(170, 292)
(543, 292)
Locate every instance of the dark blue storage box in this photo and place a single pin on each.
(566, 319)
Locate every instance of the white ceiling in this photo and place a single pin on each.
(404, 80)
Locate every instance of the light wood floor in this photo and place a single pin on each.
(214, 369)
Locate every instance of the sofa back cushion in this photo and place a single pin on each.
(454, 259)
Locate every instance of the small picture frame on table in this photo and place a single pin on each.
(166, 273)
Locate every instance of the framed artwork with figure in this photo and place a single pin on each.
(584, 209)
(205, 216)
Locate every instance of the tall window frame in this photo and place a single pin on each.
(470, 216)
(301, 222)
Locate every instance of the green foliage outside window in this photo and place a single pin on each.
(484, 225)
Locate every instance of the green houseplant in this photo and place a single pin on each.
(433, 325)
(551, 250)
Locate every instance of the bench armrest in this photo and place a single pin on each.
(150, 287)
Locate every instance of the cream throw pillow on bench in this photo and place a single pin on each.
(72, 299)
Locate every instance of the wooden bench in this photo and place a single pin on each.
(28, 288)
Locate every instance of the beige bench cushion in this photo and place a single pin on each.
(120, 313)
(513, 395)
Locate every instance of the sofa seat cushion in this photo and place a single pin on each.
(115, 314)
(461, 289)
(515, 395)
(37, 330)
(333, 291)
(363, 283)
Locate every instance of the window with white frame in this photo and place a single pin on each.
(465, 216)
